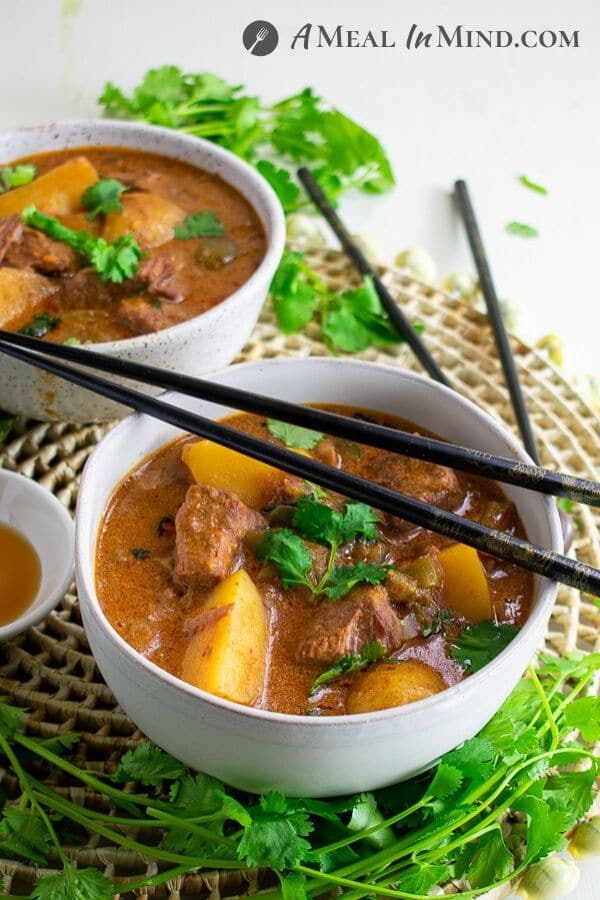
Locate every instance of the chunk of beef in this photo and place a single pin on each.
(425, 481)
(85, 289)
(35, 250)
(433, 652)
(210, 526)
(343, 628)
(155, 275)
(326, 452)
(11, 229)
(137, 314)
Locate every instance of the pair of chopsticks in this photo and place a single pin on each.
(512, 549)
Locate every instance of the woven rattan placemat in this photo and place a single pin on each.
(49, 669)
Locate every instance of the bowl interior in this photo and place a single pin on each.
(315, 380)
(43, 520)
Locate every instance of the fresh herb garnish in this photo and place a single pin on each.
(532, 185)
(346, 665)
(480, 644)
(15, 176)
(140, 553)
(344, 578)
(566, 504)
(72, 342)
(350, 321)
(299, 129)
(103, 197)
(155, 302)
(113, 262)
(455, 821)
(41, 324)
(323, 525)
(294, 435)
(522, 230)
(199, 224)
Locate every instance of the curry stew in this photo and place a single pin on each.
(263, 589)
(48, 283)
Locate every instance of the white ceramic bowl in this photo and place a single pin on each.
(37, 514)
(198, 345)
(259, 750)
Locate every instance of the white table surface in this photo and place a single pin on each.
(487, 115)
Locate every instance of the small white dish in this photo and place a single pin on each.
(36, 514)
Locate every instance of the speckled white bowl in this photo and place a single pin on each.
(303, 755)
(205, 342)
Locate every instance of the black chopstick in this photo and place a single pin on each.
(430, 450)
(507, 547)
(363, 265)
(501, 338)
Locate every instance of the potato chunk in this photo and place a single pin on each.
(227, 655)
(254, 482)
(466, 591)
(388, 684)
(150, 218)
(56, 192)
(22, 293)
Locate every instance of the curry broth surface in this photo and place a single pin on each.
(152, 613)
(191, 188)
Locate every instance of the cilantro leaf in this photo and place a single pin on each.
(284, 548)
(275, 836)
(24, 834)
(532, 185)
(565, 504)
(149, 765)
(74, 884)
(103, 197)
(544, 834)
(15, 176)
(365, 815)
(474, 759)
(584, 714)
(445, 782)
(480, 644)
(295, 290)
(486, 860)
(294, 435)
(347, 665)
(281, 182)
(41, 324)
(7, 421)
(293, 886)
(117, 261)
(344, 578)
(325, 525)
(113, 262)
(522, 230)
(422, 877)
(10, 718)
(570, 795)
(199, 224)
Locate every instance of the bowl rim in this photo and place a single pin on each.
(35, 612)
(231, 163)
(546, 591)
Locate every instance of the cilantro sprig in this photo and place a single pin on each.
(103, 197)
(479, 644)
(350, 321)
(324, 525)
(294, 435)
(347, 665)
(521, 229)
(15, 176)
(301, 129)
(452, 822)
(114, 261)
(199, 224)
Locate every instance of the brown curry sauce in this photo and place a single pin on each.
(151, 611)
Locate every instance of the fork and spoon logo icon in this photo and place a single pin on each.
(260, 38)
